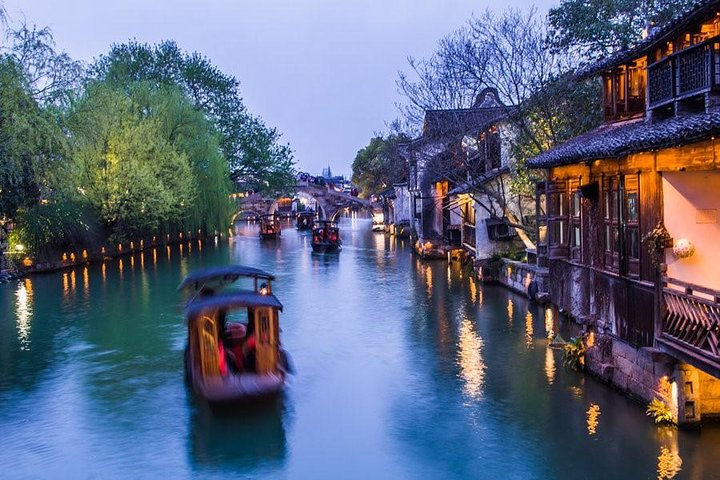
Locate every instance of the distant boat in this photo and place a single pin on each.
(269, 226)
(233, 348)
(305, 220)
(326, 237)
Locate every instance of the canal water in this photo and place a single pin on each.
(405, 370)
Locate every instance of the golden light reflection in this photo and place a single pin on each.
(66, 284)
(155, 257)
(142, 260)
(24, 305)
(168, 252)
(132, 262)
(510, 308)
(473, 290)
(120, 268)
(103, 270)
(72, 281)
(549, 323)
(199, 245)
(189, 247)
(480, 297)
(669, 463)
(472, 365)
(529, 330)
(592, 418)
(181, 249)
(576, 391)
(86, 281)
(428, 279)
(549, 366)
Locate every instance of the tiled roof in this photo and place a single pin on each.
(471, 185)
(620, 139)
(444, 123)
(700, 9)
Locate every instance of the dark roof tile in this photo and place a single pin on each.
(620, 139)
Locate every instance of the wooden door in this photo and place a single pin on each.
(208, 346)
(266, 338)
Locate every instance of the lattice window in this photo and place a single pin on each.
(660, 81)
(693, 69)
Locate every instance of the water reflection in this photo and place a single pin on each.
(24, 308)
(510, 309)
(592, 418)
(549, 366)
(428, 278)
(86, 280)
(239, 439)
(473, 289)
(529, 330)
(472, 365)
(669, 463)
(549, 323)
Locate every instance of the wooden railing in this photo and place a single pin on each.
(691, 317)
(687, 72)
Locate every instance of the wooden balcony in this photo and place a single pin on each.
(690, 325)
(688, 72)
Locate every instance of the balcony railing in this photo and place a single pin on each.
(693, 70)
(691, 320)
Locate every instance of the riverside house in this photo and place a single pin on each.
(458, 171)
(632, 219)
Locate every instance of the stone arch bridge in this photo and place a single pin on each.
(328, 203)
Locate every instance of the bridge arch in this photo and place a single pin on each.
(248, 211)
(338, 213)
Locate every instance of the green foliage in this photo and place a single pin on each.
(252, 150)
(661, 412)
(563, 109)
(124, 161)
(379, 165)
(56, 225)
(596, 28)
(574, 353)
(31, 143)
(657, 240)
(51, 77)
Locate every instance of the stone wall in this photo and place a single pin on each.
(646, 373)
(517, 276)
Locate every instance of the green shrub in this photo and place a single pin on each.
(574, 353)
(660, 411)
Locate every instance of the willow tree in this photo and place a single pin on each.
(125, 166)
(189, 132)
(253, 151)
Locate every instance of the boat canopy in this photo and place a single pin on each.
(217, 277)
(232, 300)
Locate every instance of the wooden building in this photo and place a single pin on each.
(617, 196)
(456, 168)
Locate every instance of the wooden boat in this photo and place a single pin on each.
(326, 237)
(233, 348)
(269, 226)
(305, 220)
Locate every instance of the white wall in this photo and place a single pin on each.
(684, 194)
(402, 204)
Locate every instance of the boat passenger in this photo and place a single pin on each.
(248, 345)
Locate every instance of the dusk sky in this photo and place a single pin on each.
(323, 72)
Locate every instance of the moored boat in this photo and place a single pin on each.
(233, 349)
(326, 237)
